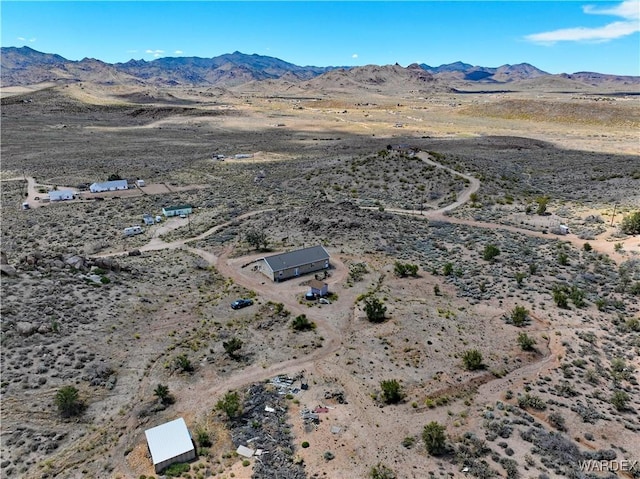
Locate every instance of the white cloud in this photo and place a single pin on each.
(355, 55)
(23, 39)
(155, 53)
(629, 10)
(178, 52)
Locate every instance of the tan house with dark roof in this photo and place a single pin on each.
(295, 263)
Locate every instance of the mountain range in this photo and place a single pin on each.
(25, 66)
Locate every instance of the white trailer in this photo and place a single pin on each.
(133, 230)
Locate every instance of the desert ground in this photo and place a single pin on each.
(424, 180)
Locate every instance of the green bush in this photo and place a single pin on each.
(305, 445)
(472, 359)
(620, 399)
(177, 469)
(434, 438)
(526, 342)
(183, 363)
(560, 297)
(302, 323)
(631, 224)
(405, 269)
(68, 401)
(374, 309)
(490, 252)
(232, 346)
(229, 404)
(533, 402)
(380, 471)
(391, 391)
(519, 316)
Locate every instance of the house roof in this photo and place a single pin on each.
(60, 193)
(110, 184)
(296, 258)
(175, 208)
(168, 440)
(317, 284)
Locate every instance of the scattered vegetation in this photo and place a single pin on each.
(68, 401)
(302, 323)
(391, 391)
(434, 438)
(380, 471)
(162, 393)
(472, 360)
(403, 270)
(631, 224)
(490, 252)
(229, 404)
(375, 309)
(257, 239)
(232, 346)
(526, 342)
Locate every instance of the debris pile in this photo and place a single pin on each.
(262, 431)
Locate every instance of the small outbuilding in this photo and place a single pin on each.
(114, 185)
(60, 195)
(283, 266)
(318, 288)
(148, 219)
(140, 183)
(177, 210)
(170, 443)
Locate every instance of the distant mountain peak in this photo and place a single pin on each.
(24, 66)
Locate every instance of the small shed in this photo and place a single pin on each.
(177, 210)
(563, 229)
(148, 219)
(60, 195)
(170, 443)
(282, 266)
(140, 183)
(318, 288)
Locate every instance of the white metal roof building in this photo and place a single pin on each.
(59, 195)
(108, 186)
(295, 263)
(170, 443)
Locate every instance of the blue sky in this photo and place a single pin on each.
(557, 36)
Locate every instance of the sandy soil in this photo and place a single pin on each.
(330, 175)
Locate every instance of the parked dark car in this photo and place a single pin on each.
(241, 303)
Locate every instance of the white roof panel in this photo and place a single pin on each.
(168, 440)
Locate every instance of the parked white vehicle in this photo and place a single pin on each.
(133, 230)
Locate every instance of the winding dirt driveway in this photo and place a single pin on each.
(334, 325)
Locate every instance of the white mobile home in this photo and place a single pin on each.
(170, 443)
(109, 186)
(177, 210)
(60, 195)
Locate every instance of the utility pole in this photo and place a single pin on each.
(614, 213)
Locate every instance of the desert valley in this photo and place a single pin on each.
(479, 314)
